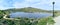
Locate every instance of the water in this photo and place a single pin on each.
(29, 15)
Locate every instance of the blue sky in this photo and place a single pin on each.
(41, 4)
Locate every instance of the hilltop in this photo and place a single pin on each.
(27, 9)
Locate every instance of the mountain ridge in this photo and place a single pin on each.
(27, 9)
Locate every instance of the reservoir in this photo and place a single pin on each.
(30, 15)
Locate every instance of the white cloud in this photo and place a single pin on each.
(35, 3)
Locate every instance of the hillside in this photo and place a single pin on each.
(27, 9)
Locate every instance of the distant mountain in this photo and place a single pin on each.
(27, 9)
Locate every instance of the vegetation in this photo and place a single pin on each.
(26, 21)
(27, 9)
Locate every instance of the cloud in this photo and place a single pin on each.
(5, 4)
(43, 4)
(19, 5)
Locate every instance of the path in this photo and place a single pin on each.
(5, 17)
(57, 20)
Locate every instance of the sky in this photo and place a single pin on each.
(41, 4)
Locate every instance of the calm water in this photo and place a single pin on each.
(29, 15)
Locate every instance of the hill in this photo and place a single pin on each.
(26, 9)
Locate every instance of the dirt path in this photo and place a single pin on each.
(57, 20)
(5, 17)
